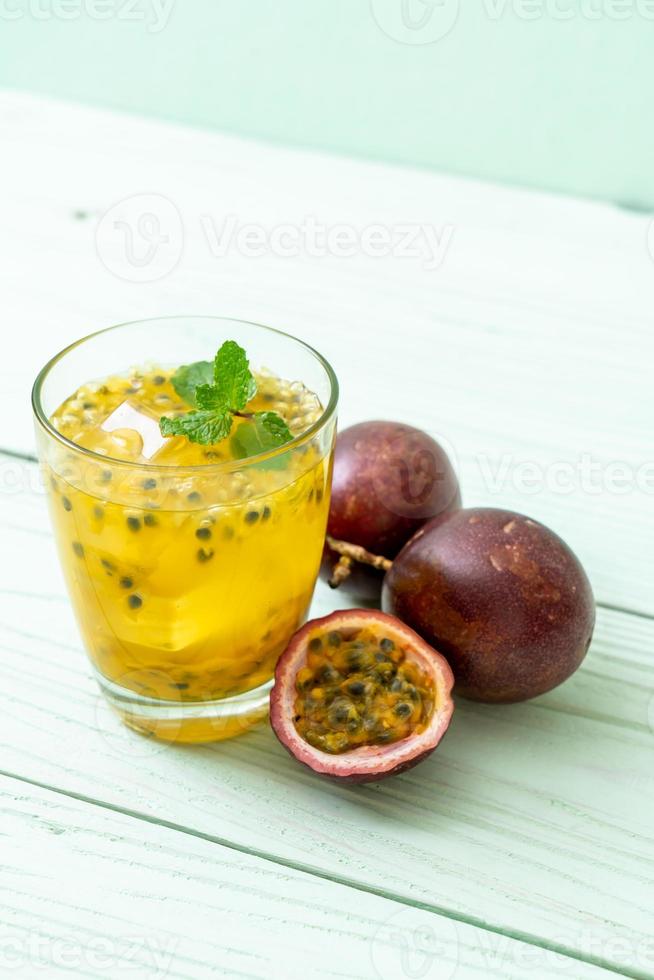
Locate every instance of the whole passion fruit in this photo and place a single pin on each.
(389, 478)
(502, 596)
(358, 696)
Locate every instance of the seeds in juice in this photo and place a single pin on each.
(187, 578)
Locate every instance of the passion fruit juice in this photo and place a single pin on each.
(188, 572)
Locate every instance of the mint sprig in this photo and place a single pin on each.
(218, 392)
(189, 377)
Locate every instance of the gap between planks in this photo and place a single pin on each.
(524, 936)
(474, 921)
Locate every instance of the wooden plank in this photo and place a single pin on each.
(530, 344)
(533, 820)
(95, 893)
(528, 349)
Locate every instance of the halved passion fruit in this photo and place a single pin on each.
(359, 696)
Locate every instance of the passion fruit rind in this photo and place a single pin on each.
(389, 478)
(358, 696)
(501, 595)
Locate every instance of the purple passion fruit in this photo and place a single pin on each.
(389, 479)
(502, 596)
(359, 696)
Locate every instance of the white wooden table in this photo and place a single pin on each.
(524, 847)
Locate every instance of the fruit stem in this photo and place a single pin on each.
(340, 572)
(353, 552)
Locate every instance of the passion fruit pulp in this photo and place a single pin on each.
(389, 479)
(501, 595)
(358, 696)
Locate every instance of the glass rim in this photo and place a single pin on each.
(222, 466)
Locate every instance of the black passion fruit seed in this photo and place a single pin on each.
(135, 601)
(350, 694)
(66, 504)
(134, 524)
(78, 549)
(126, 582)
(203, 533)
(205, 555)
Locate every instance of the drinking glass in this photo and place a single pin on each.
(187, 581)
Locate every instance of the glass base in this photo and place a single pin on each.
(187, 721)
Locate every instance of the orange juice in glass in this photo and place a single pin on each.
(189, 565)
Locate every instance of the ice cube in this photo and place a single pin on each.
(127, 417)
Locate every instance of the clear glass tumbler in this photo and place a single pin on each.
(187, 581)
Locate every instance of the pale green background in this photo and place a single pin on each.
(550, 103)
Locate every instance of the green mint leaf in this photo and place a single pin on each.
(265, 431)
(273, 428)
(209, 398)
(219, 391)
(233, 379)
(188, 377)
(204, 427)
